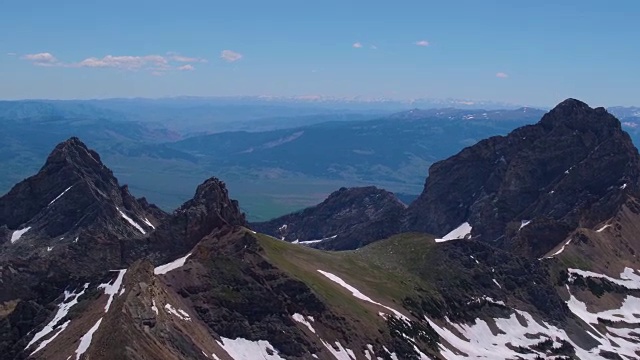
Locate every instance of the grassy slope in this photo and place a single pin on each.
(363, 269)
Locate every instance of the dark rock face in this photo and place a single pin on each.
(73, 190)
(209, 210)
(77, 214)
(571, 169)
(347, 219)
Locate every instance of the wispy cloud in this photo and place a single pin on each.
(185, 59)
(124, 62)
(155, 64)
(41, 59)
(11, 54)
(422, 43)
(502, 75)
(357, 45)
(373, 47)
(230, 56)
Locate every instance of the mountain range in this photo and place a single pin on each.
(291, 163)
(520, 246)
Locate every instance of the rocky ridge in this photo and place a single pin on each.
(200, 285)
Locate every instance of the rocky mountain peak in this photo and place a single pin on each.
(577, 115)
(73, 152)
(74, 191)
(573, 168)
(212, 200)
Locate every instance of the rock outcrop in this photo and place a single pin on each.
(347, 219)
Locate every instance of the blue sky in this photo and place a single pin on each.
(534, 52)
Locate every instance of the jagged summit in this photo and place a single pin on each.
(75, 191)
(73, 152)
(212, 198)
(571, 169)
(577, 115)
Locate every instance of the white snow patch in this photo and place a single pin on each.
(488, 299)
(130, 221)
(356, 293)
(317, 241)
(112, 289)
(562, 248)
(47, 341)
(524, 223)
(339, 352)
(458, 233)
(18, 234)
(392, 355)
(496, 282)
(477, 262)
(85, 340)
(479, 341)
(368, 353)
(242, 349)
(70, 299)
(146, 221)
(617, 340)
(49, 248)
(624, 186)
(179, 313)
(154, 307)
(603, 228)
(300, 318)
(628, 277)
(76, 240)
(59, 196)
(177, 263)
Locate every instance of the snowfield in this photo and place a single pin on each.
(458, 233)
(175, 264)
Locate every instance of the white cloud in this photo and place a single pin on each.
(373, 47)
(185, 59)
(357, 45)
(155, 64)
(124, 62)
(41, 59)
(157, 73)
(230, 56)
(11, 54)
(502, 75)
(422, 43)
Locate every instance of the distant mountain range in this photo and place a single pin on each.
(278, 155)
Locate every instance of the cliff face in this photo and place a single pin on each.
(573, 168)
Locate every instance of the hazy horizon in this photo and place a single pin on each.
(534, 54)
